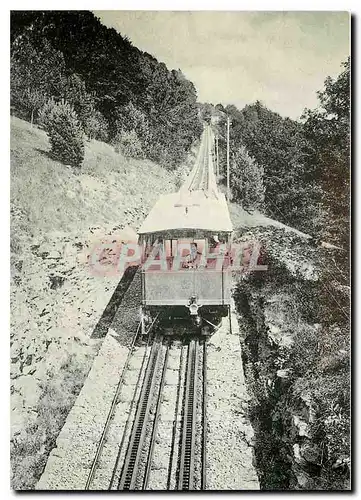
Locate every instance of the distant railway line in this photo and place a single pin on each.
(200, 177)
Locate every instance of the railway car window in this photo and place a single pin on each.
(189, 250)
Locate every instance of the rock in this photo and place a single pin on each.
(45, 248)
(15, 349)
(28, 360)
(283, 373)
(28, 388)
(311, 452)
(301, 425)
(29, 370)
(303, 479)
(56, 282)
(54, 254)
(15, 371)
(297, 455)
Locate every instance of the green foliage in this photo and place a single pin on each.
(277, 145)
(173, 115)
(327, 129)
(37, 73)
(45, 113)
(247, 181)
(128, 144)
(112, 85)
(132, 125)
(96, 126)
(65, 134)
(206, 111)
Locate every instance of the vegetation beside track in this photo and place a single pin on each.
(296, 354)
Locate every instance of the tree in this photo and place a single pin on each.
(65, 134)
(206, 112)
(36, 72)
(279, 146)
(130, 120)
(105, 78)
(247, 181)
(327, 129)
(128, 143)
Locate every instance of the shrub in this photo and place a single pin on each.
(96, 126)
(128, 144)
(45, 112)
(130, 118)
(181, 174)
(247, 180)
(65, 134)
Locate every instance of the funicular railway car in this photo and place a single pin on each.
(186, 272)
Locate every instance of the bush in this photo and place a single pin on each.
(247, 181)
(45, 112)
(128, 144)
(65, 134)
(129, 118)
(96, 126)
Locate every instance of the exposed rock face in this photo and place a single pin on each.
(55, 313)
(58, 219)
(296, 447)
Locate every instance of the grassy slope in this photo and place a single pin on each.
(54, 213)
(57, 198)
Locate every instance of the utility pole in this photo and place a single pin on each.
(228, 189)
(217, 157)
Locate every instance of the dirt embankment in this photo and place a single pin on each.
(58, 215)
(297, 369)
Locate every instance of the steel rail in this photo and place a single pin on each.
(195, 171)
(156, 419)
(133, 454)
(186, 469)
(129, 419)
(111, 413)
(195, 175)
(204, 419)
(197, 182)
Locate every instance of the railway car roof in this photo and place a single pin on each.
(191, 210)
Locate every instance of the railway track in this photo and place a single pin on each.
(186, 469)
(200, 180)
(140, 447)
(194, 418)
(130, 471)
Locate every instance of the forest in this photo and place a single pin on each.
(295, 171)
(68, 67)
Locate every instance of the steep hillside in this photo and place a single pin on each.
(116, 91)
(57, 215)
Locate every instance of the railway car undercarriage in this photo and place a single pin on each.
(177, 320)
